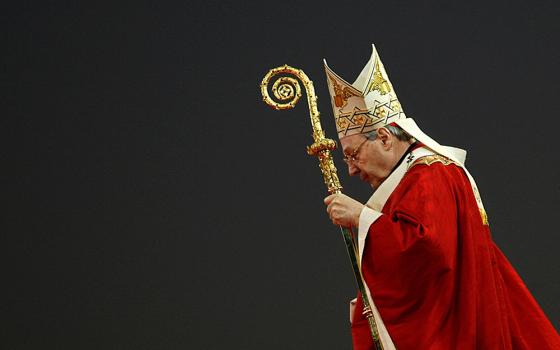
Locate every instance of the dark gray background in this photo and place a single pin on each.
(157, 203)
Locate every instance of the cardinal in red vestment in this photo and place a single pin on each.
(434, 275)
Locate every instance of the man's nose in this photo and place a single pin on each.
(353, 169)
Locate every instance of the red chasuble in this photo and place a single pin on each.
(437, 278)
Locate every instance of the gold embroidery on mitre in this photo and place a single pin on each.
(378, 82)
(360, 120)
(351, 121)
(396, 106)
(341, 95)
(380, 112)
(342, 124)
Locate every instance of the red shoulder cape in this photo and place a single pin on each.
(437, 278)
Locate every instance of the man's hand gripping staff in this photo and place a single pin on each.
(343, 210)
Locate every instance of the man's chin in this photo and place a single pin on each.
(375, 184)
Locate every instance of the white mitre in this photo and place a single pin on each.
(367, 104)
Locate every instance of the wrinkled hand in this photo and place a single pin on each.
(343, 210)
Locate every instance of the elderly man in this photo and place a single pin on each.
(434, 275)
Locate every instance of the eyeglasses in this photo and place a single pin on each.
(353, 157)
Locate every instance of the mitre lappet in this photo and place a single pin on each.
(371, 102)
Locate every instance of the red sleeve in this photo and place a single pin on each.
(416, 238)
(410, 246)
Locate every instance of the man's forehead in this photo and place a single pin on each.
(349, 143)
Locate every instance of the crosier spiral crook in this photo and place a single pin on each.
(288, 91)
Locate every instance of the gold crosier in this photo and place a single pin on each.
(288, 91)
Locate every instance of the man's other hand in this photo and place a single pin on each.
(343, 210)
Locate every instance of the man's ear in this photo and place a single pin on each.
(385, 137)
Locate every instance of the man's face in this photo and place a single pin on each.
(372, 162)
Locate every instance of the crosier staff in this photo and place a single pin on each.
(288, 90)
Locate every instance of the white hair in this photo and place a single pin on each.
(396, 131)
